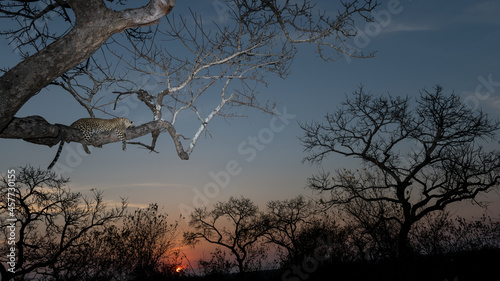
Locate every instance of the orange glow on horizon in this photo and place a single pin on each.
(179, 268)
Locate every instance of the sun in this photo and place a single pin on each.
(178, 269)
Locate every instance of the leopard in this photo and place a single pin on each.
(90, 126)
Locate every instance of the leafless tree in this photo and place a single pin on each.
(234, 225)
(287, 219)
(144, 242)
(419, 159)
(258, 38)
(139, 246)
(50, 220)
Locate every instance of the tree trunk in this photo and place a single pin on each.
(240, 260)
(6, 276)
(403, 243)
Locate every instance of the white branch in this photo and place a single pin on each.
(149, 14)
(205, 122)
(208, 65)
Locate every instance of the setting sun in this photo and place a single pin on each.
(178, 269)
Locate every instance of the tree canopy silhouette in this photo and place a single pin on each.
(50, 219)
(235, 225)
(418, 158)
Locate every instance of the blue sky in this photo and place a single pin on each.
(451, 43)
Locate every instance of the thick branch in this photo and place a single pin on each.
(152, 126)
(149, 14)
(37, 130)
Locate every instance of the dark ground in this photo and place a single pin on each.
(482, 265)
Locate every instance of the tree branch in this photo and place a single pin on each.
(36, 129)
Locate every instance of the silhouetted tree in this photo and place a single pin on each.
(49, 220)
(418, 159)
(144, 241)
(139, 247)
(286, 220)
(92, 260)
(235, 225)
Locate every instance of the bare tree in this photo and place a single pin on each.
(144, 242)
(140, 246)
(419, 159)
(258, 38)
(49, 220)
(287, 219)
(235, 225)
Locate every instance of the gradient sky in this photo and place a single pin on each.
(451, 43)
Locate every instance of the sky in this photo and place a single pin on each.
(418, 44)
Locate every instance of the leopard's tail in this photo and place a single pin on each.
(57, 155)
